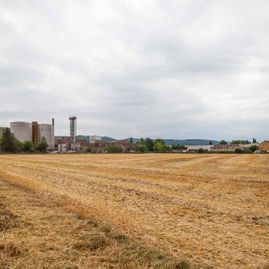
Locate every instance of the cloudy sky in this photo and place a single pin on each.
(158, 68)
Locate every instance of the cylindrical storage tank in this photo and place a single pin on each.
(47, 131)
(21, 130)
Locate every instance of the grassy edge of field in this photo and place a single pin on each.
(133, 254)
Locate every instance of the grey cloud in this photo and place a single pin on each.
(137, 68)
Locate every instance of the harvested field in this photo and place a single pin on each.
(134, 211)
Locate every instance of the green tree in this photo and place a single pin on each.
(159, 140)
(210, 142)
(254, 141)
(28, 146)
(113, 149)
(9, 143)
(42, 146)
(131, 140)
(223, 142)
(88, 150)
(159, 146)
(200, 150)
(178, 147)
(253, 148)
(141, 147)
(149, 143)
(242, 142)
(239, 151)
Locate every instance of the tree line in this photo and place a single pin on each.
(150, 145)
(142, 146)
(10, 144)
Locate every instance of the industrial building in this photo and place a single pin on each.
(226, 148)
(21, 130)
(47, 131)
(75, 142)
(88, 139)
(264, 146)
(94, 138)
(73, 128)
(195, 148)
(34, 132)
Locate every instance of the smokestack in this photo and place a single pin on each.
(52, 122)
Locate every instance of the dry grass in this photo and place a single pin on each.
(134, 211)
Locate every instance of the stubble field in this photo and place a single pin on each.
(134, 211)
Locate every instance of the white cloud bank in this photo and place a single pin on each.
(174, 69)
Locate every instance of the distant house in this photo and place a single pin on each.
(125, 145)
(95, 138)
(63, 147)
(264, 146)
(195, 148)
(247, 146)
(226, 148)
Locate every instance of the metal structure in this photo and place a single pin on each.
(47, 131)
(21, 130)
(35, 132)
(73, 128)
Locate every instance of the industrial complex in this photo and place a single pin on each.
(35, 132)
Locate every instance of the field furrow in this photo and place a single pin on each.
(212, 210)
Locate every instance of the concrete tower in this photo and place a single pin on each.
(21, 130)
(47, 131)
(73, 128)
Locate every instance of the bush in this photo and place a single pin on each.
(28, 146)
(149, 143)
(9, 143)
(88, 150)
(179, 147)
(159, 146)
(248, 151)
(253, 148)
(42, 146)
(238, 151)
(113, 149)
(141, 147)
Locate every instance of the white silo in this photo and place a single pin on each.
(47, 131)
(21, 130)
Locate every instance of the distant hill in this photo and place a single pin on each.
(108, 139)
(191, 142)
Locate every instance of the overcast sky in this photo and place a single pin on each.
(158, 68)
